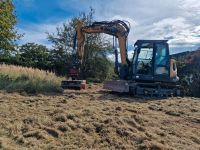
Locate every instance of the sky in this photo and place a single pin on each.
(175, 20)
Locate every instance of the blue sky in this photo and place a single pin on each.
(40, 11)
(175, 20)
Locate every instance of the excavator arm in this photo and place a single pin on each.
(116, 28)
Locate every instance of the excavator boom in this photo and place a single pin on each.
(116, 28)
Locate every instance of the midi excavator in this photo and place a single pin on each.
(150, 72)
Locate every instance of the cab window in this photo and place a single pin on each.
(145, 59)
(161, 59)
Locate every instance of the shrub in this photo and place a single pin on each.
(195, 86)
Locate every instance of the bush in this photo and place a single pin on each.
(195, 86)
(20, 79)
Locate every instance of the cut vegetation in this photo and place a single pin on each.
(29, 80)
(98, 120)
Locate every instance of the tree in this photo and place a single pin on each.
(60, 61)
(8, 34)
(34, 55)
(61, 54)
(95, 64)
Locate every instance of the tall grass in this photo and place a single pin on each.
(19, 79)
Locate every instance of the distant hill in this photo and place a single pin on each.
(187, 56)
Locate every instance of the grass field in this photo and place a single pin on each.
(29, 80)
(98, 120)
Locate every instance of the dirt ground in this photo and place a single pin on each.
(95, 119)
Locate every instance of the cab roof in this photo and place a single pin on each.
(139, 42)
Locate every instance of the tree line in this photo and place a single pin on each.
(96, 66)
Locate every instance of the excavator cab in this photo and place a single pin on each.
(151, 61)
(151, 72)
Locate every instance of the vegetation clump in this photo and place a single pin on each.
(20, 79)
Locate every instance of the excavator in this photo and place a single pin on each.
(150, 72)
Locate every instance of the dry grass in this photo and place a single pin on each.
(16, 78)
(95, 120)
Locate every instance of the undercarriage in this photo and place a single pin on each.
(153, 89)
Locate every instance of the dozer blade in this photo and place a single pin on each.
(117, 86)
(74, 84)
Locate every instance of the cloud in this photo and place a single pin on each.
(175, 20)
(179, 31)
(37, 33)
(191, 7)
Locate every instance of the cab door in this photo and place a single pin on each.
(143, 67)
(161, 62)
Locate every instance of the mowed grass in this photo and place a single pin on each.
(29, 80)
(97, 120)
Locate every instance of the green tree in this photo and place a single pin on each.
(60, 61)
(95, 65)
(34, 55)
(8, 34)
(61, 54)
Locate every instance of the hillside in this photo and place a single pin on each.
(186, 56)
(95, 119)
